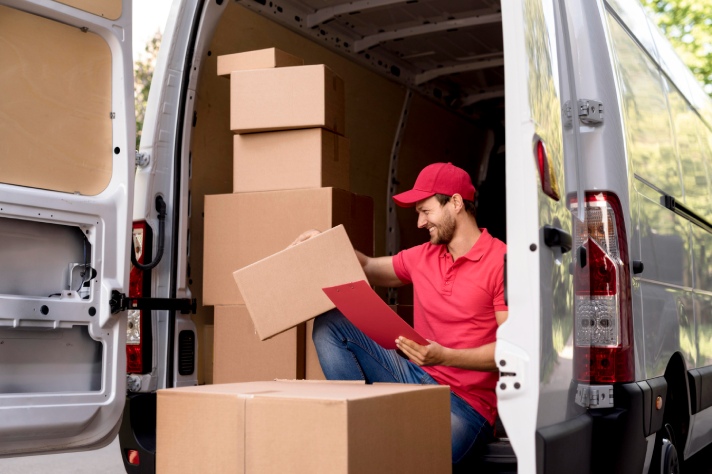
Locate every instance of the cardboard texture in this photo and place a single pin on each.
(291, 159)
(285, 289)
(313, 366)
(240, 356)
(208, 352)
(304, 428)
(260, 59)
(243, 228)
(286, 98)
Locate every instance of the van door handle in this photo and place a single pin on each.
(555, 237)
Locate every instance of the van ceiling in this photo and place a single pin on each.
(449, 50)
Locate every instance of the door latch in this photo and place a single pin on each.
(589, 112)
(120, 302)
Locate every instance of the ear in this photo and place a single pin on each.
(457, 202)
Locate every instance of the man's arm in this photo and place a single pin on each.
(379, 270)
(477, 358)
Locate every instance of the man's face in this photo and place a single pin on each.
(437, 219)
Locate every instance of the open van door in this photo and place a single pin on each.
(67, 157)
(535, 345)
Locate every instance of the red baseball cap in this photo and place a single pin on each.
(438, 178)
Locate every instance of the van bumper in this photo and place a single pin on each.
(611, 440)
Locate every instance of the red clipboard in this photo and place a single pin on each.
(368, 312)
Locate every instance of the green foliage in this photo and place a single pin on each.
(688, 26)
(144, 66)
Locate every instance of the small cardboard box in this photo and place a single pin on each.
(240, 356)
(285, 289)
(290, 159)
(303, 428)
(286, 98)
(313, 366)
(260, 59)
(243, 228)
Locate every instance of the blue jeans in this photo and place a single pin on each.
(346, 353)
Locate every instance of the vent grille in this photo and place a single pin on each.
(186, 352)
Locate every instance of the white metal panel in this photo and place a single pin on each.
(75, 416)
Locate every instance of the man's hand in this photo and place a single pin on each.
(305, 236)
(432, 354)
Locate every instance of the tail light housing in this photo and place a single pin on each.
(603, 321)
(138, 327)
(547, 176)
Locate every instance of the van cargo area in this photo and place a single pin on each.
(383, 51)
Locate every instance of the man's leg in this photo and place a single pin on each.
(346, 353)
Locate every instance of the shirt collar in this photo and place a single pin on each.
(477, 250)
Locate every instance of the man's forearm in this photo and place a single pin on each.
(478, 358)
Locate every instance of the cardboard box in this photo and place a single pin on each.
(286, 98)
(285, 289)
(313, 366)
(290, 159)
(260, 59)
(303, 428)
(240, 356)
(243, 228)
(208, 352)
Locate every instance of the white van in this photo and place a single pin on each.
(579, 109)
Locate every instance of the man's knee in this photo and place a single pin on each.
(325, 325)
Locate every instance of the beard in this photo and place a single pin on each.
(444, 231)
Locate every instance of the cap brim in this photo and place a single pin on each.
(409, 198)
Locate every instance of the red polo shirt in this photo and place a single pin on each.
(454, 306)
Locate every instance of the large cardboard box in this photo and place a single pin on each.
(240, 356)
(290, 159)
(303, 428)
(285, 289)
(286, 98)
(243, 228)
(260, 59)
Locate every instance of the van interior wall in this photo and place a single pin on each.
(373, 109)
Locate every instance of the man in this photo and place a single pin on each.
(458, 282)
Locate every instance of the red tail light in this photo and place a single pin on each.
(135, 343)
(603, 331)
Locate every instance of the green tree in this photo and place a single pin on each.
(688, 26)
(144, 66)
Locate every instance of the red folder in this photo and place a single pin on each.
(368, 312)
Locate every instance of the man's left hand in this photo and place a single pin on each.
(432, 354)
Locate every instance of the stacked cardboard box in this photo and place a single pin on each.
(304, 427)
(291, 174)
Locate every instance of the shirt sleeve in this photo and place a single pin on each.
(401, 265)
(498, 300)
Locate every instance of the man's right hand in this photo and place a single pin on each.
(305, 236)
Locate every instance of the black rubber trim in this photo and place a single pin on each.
(565, 447)
(601, 440)
(683, 211)
(138, 431)
(658, 388)
(700, 381)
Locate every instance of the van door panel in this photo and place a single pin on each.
(66, 191)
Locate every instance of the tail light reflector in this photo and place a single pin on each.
(135, 344)
(603, 326)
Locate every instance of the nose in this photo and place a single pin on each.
(422, 222)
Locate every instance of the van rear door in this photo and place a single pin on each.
(67, 133)
(535, 345)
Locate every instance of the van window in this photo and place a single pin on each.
(56, 127)
(695, 178)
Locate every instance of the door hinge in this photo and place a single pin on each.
(589, 112)
(120, 302)
(142, 159)
(598, 396)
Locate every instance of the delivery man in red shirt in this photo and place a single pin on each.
(458, 283)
